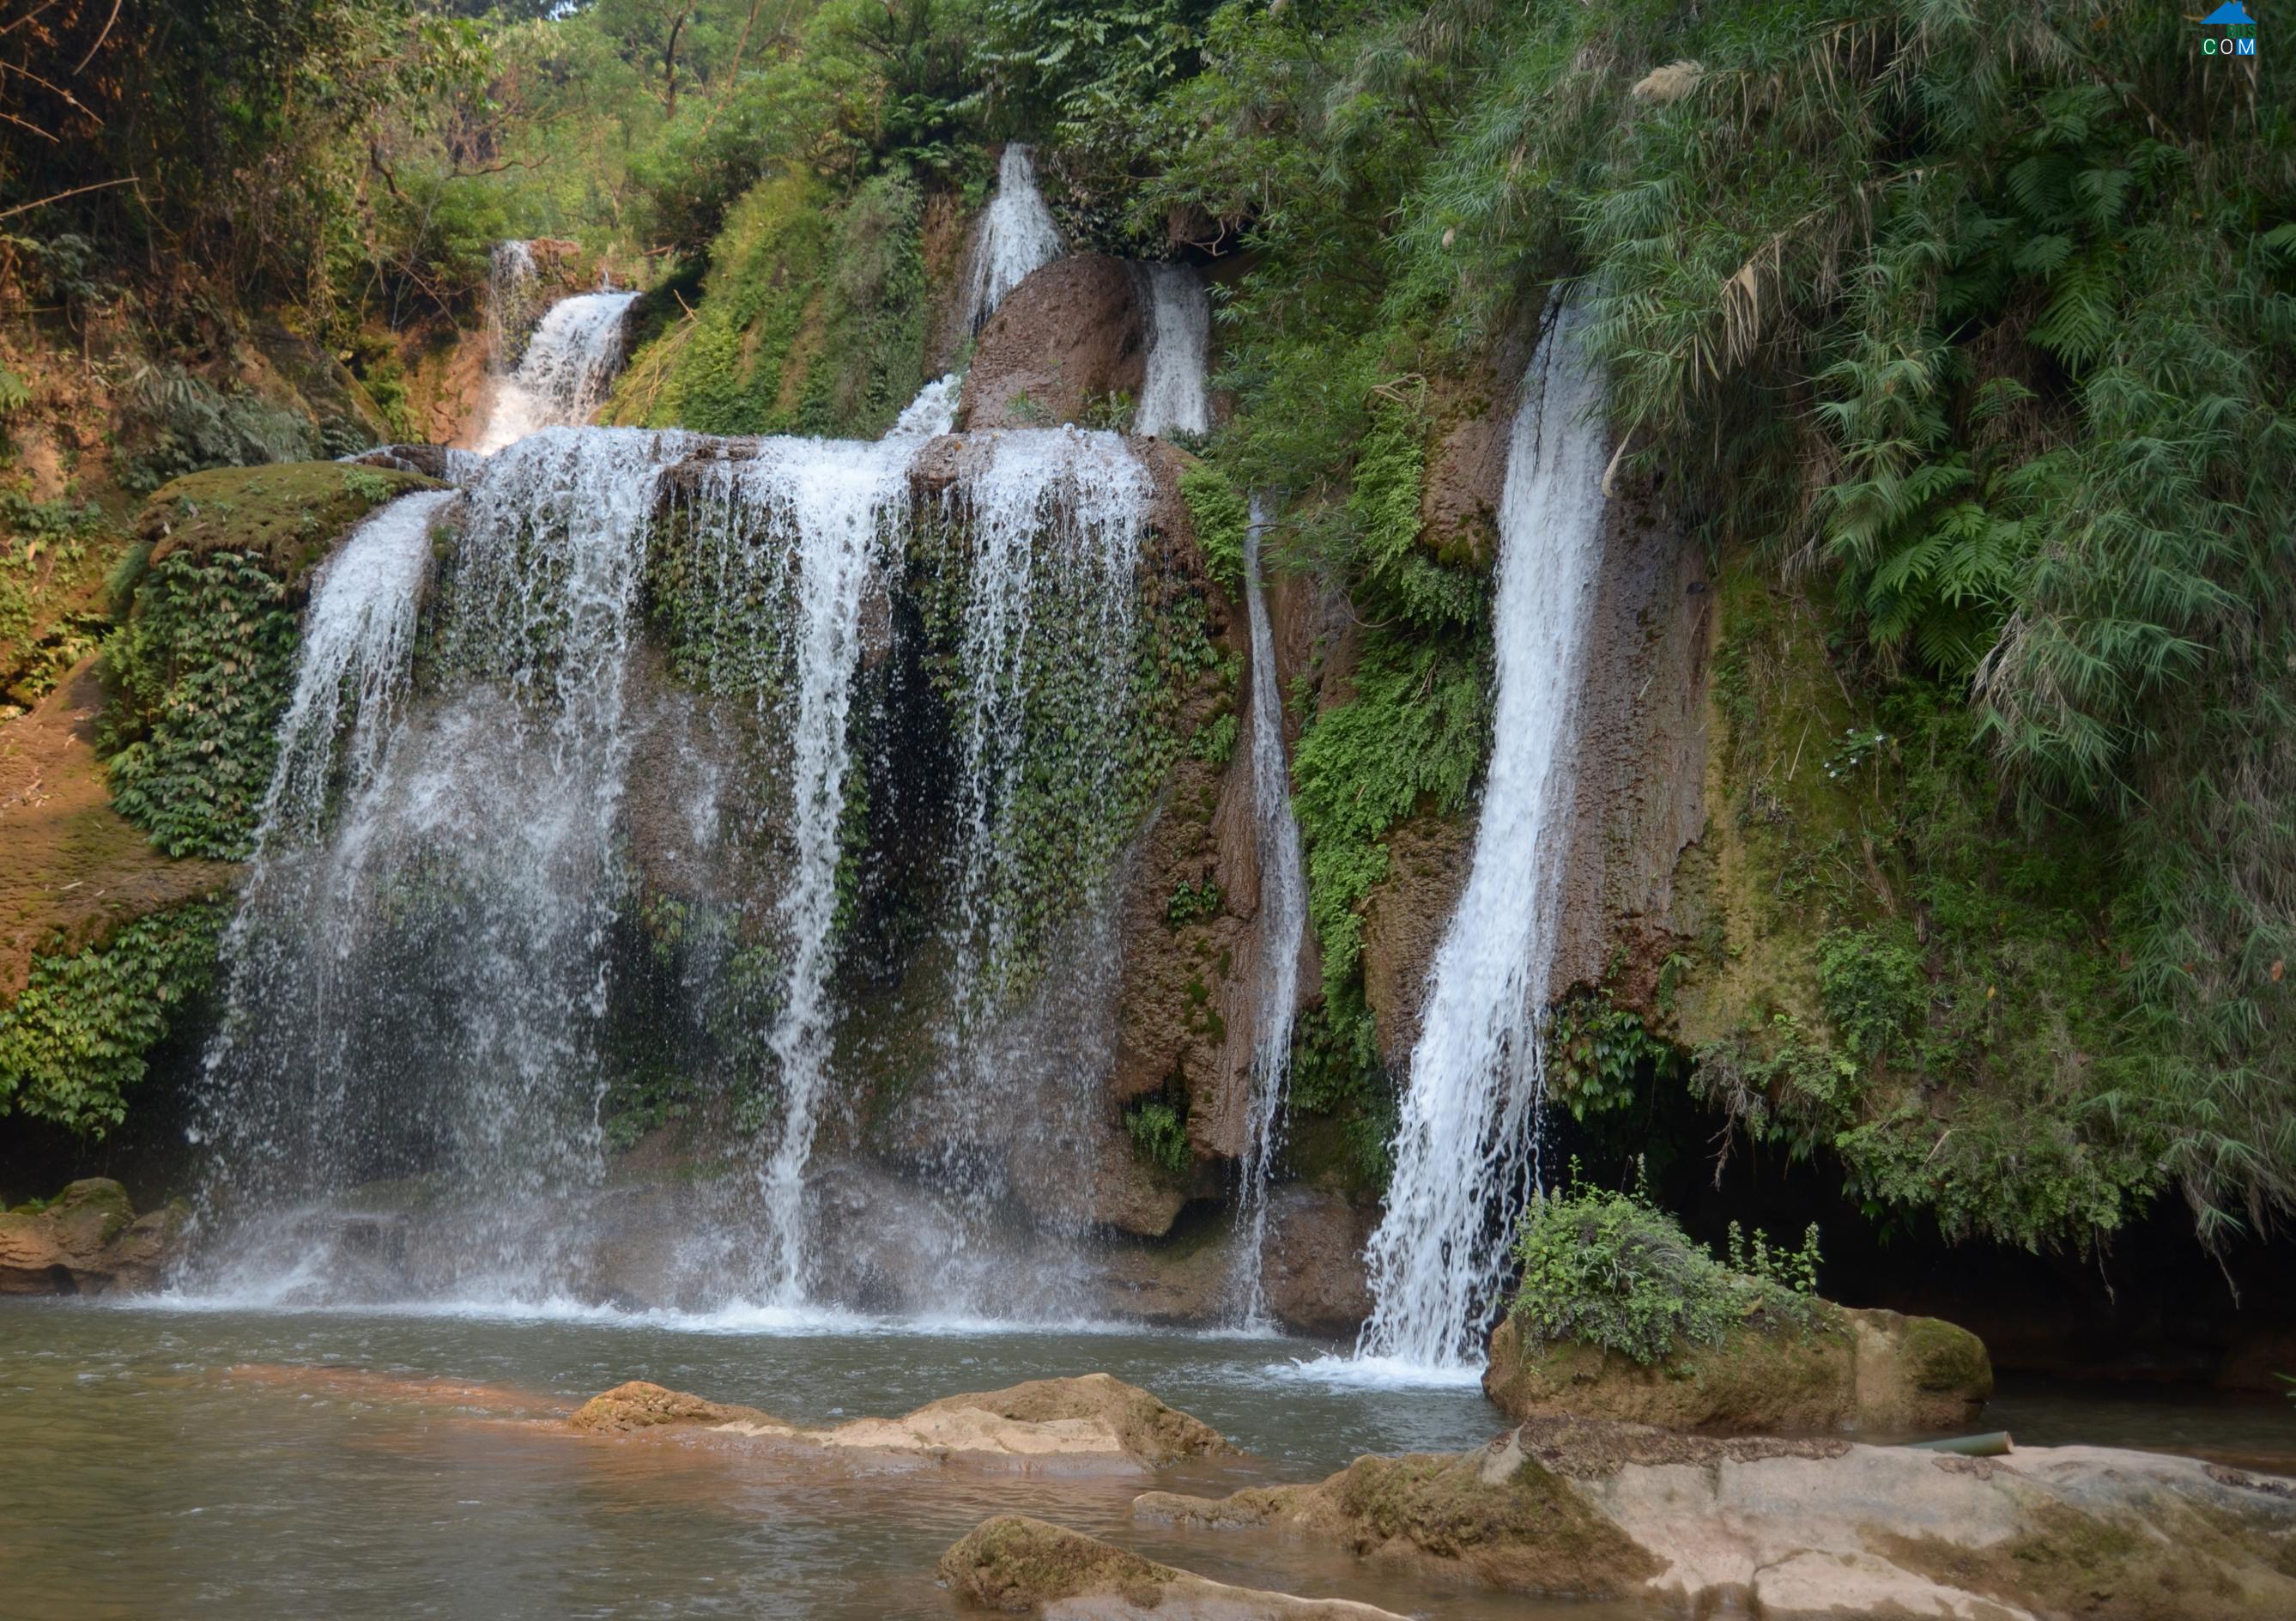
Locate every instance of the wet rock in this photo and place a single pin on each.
(1018, 1566)
(1060, 342)
(1312, 1271)
(1857, 1370)
(1806, 1528)
(1092, 1421)
(1404, 920)
(88, 1240)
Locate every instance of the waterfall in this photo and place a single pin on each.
(1465, 1150)
(416, 990)
(562, 377)
(1016, 235)
(511, 279)
(358, 638)
(1180, 321)
(1283, 933)
(804, 526)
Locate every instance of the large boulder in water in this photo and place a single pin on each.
(1851, 1370)
(1065, 339)
(1018, 1565)
(1094, 1422)
(1795, 1530)
(88, 1240)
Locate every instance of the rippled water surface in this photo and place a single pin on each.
(159, 1462)
(162, 1461)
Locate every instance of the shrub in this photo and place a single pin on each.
(1614, 1270)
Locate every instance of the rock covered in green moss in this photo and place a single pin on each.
(1847, 1370)
(1018, 1566)
(87, 1240)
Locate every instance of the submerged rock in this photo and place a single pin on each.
(1020, 1566)
(1807, 1528)
(1092, 1420)
(88, 1240)
(1857, 1370)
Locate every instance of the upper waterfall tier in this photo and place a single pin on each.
(1016, 235)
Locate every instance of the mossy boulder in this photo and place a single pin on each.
(1845, 1370)
(87, 1240)
(1018, 1566)
(286, 516)
(1473, 1514)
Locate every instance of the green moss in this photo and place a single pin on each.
(1898, 975)
(812, 319)
(1410, 738)
(1527, 1531)
(1222, 520)
(74, 1042)
(1160, 1133)
(285, 517)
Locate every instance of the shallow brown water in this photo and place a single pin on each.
(162, 1463)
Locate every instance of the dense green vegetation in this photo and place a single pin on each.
(1614, 1270)
(74, 1042)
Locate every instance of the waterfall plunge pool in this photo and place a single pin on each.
(169, 1459)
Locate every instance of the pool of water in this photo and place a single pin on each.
(159, 1461)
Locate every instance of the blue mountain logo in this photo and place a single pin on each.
(2241, 41)
(2232, 13)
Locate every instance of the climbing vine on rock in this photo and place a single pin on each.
(203, 668)
(74, 1042)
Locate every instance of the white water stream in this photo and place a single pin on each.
(1016, 235)
(1282, 934)
(563, 377)
(1465, 1152)
(1179, 315)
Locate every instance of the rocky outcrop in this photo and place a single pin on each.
(1640, 790)
(1806, 1529)
(1312, 1268)
(1059, 343)
(88, 1240)
(1876, 1372)
(1017, 1566)
(1094, 1422)
(1428, 859)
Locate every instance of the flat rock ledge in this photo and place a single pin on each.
(1806, 1528)
(1017, 1566)
(1094, 1422)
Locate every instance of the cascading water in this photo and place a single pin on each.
(1016, 235)
(1283, 933)
(1465, 1151)
(358, 639)
(563, 377)
(1180, 320)
(417, 991)
(803, 528)
(511, 280)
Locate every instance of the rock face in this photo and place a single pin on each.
(1018, 1565)
(1809, 1528)
(1094, 1422)
(89, 1241)
(1067, 337)
(1869, 1371)
(76, 868)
